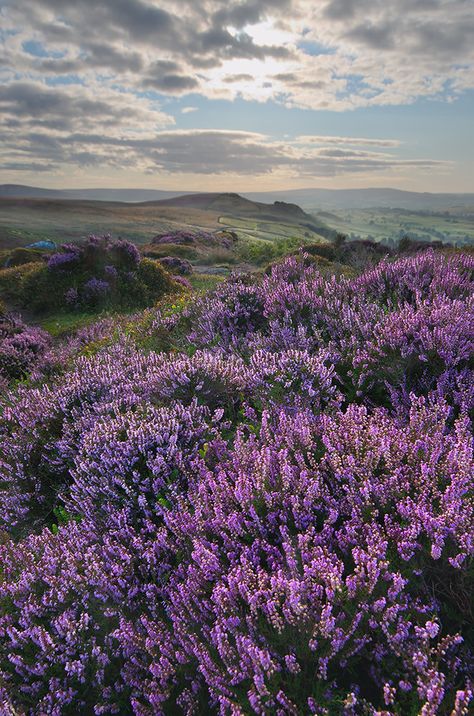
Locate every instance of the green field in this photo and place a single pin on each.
(251, 228)
(25, 221)
(453, 226)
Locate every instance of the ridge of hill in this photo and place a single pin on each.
(307, 198)
(24, 220)
(234, 204)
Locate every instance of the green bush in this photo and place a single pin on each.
(158, 252)
(14, 281)
(87, 285)
(262, 252)
(21, 256)
(150, 283)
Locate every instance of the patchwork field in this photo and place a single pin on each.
(455, 225)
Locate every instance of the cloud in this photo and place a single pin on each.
(210, 44)
(96, 92)
(30, 104)
(206, 152)
(353, 141)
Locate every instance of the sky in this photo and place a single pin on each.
(234, 95)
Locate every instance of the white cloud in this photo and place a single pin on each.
(335, 54)
(86, 91)
(352, 141)
(205, 152)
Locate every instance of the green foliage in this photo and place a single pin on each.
(38, 288)
(151, 283)
(205, 281)
(262, 252)
(63, 323)
(20, 256)
(158, 252)
(15, 282)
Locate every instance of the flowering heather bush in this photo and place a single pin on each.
(64, 261)
(181, 236)
(21, 347)
(210, 378)
(425, 275)
(129, 466)
(276, 519)
(99, 272)
(95, 290)
(177, 265)
(292, 377)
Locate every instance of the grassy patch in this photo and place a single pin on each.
(61, 324)
(204, 281)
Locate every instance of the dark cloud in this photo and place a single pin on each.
(449, 39)
(342, 9)
(57, 108)
(171, 84)
(28, 167)
(378, 37)
(206, 152)
(247, 13)
(100, 55)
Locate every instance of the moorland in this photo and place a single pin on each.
(236, 464)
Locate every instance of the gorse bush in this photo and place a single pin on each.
(276, 516)
(97, 273)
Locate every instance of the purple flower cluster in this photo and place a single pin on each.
(277, 520)
(22, 348)
(94, 289)
(181, 236)
(88, 270)
(63, 261)
(176, 265)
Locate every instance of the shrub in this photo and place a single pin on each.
(278, 519)
(20, 256)
(15, 281)
(21, 347)
(98, 273)
(298, 553)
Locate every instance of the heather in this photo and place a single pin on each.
(96, 274)
(21, 347)
(258, 500)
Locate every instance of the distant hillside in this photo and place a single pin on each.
(328, 199)
(26, 220)
(124, 195)
(309, 199)
(237, 205)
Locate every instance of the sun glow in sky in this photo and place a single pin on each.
(238, 95)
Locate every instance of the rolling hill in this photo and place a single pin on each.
(263, 231)
(308, 199)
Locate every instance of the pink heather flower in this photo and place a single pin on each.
(436, 551)
(350, 700)
(432, 629)
(388, 694)
(420, 661)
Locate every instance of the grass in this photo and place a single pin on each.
(388, 223)
(61, 324)
(204, 281)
